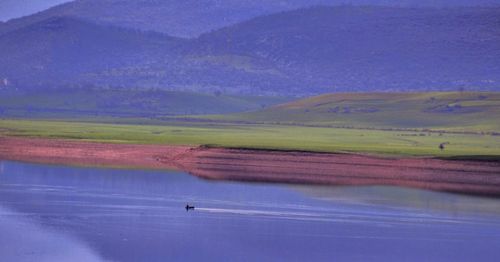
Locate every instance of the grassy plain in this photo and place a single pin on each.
(264, 136)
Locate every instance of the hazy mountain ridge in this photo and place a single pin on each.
(69, 52)
(187, 18)
(377, 48)
(61, 50)
(300, 52)
(190, 18)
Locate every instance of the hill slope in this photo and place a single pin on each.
(367, 48)
(189, 18)
(302, 52)
(474, 112)
(63, 51)
(116, 103)
(186, 18)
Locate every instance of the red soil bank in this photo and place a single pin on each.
(55, 151)
(470, 177)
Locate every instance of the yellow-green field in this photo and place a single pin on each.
(320, 139)
(453, 111)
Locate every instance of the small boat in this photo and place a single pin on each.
(188, 207)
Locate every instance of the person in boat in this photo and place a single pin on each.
(188, 207)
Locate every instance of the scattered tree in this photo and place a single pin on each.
(442, 146)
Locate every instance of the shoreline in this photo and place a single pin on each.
(253, 165)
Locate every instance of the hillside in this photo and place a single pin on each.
(117, 103)
(186, 18)
(68, 52)
(366, 48)
(190, 18)
(476, 112)
(297, 53)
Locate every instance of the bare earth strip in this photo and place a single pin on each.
(56, 151)
(469, 177)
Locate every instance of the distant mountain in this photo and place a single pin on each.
(326, 49)
(184, 18)
(64, 51)
(301, 52)
(190, 18)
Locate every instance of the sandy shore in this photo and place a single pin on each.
(469, 177)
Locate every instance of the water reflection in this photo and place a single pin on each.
(453, 204)
(135, 215)
(24, 240)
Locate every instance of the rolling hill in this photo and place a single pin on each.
(64, 51)
(463, 112)
(116, 104)
(186, 18)
(67, 53)
(295, 53)
(190, 18)
(327, 49)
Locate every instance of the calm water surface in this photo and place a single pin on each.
(57, 213)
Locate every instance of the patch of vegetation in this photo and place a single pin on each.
(264, 136)
(456, 111)
(141, 103)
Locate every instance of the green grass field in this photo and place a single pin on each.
(392, 123)
(320, 139)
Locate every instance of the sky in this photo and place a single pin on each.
(16, 8)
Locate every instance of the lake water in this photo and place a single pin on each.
(58, 213)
